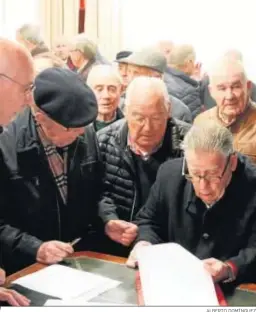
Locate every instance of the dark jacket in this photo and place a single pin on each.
(120, 200)
(119, 115)
(184, 88)
(227, 231)
(34, 211)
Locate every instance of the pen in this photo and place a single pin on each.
(75, 241)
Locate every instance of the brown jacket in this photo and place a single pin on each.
(243, 129)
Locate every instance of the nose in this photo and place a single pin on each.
(147, 125)
(229, 93)
(203, 184)
(105, 93)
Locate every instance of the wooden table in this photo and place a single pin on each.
(37, 266)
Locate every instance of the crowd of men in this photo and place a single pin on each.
(143, 150)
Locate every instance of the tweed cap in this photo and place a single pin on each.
(148, 57)
(64, 97)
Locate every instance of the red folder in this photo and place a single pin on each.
(140, 299)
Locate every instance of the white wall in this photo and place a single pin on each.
(211, 25)
(14, 13)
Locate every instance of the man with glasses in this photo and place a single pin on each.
(206, 203)
(16, 79)
(132, 150)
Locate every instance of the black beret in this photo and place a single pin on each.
(63, 96)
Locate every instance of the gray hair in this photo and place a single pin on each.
(180, 54)
(31, 33)
(147, 85)
(103, 70)
(209, 137)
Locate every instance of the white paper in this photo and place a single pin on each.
(67, 283)
(77, 302)
(170, 275)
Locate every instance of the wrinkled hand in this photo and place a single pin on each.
(121, 231)
(217, 269)
(13, 298)
(132, 259)
(53, 252)
(2, 276)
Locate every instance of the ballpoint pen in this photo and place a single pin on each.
(75, 241)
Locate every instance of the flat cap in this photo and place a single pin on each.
(148, 57)
(64, 97)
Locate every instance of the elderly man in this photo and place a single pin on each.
(122, 66)
(30, 37)
(230, 88)
(16, 92)
(83, 55)
(16, 85)
(206, 203)
(106, 84)
(55, 172)
(151, 63)
(132, 150)
(178, 77)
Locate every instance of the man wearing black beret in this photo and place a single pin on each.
(55, 177)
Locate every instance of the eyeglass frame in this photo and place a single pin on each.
(190, 178)
(27, 88)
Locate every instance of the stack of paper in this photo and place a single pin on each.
(170, 275)
(67, 283)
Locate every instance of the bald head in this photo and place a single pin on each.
(16, 67)
(233, 55)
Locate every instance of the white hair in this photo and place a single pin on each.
(150, 85)
(209, 137)
(103, 70)
(30, 33)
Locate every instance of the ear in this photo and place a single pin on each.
(233, 161)
(249, 85)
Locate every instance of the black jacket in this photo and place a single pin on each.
(120, 200)
(227, 231)
(184, 88)
(33, 210)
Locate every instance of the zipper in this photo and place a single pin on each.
(133, 205)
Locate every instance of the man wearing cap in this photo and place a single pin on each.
(122, 66)
(55, 172)
(152, 63)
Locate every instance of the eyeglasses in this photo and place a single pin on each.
(27, 88)
(213, 179)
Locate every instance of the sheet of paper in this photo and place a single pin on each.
(170, 275)
(67, 283)
(77, 302)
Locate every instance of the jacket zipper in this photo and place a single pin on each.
(133, 205)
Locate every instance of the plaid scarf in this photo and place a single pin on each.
(58, 165)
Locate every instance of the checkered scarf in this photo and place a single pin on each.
(58, 165)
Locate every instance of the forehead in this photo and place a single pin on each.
(204, 160)
(227, 74)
